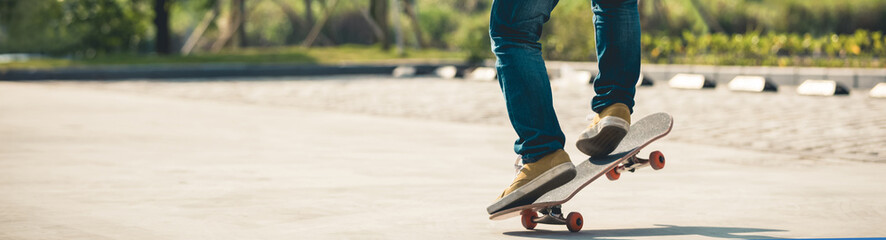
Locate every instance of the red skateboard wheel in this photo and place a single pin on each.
(656, 160)
(574, 221)
(526, 218)
(613, 174)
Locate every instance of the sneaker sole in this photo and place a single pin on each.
(612, 131)
(525, 195)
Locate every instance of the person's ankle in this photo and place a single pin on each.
(619, 110)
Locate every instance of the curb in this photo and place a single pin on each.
(857, 78)
(203, 71)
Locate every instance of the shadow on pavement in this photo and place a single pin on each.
(662, 230)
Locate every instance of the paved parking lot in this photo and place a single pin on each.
(257, 160)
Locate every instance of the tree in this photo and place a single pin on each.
(241, 29)
(410, 7)
(161, 23)
(315, 30)
(378, 10)
(208, 19)
(234, 26)
(309, 13)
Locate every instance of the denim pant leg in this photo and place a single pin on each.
(617, 26)
(515, 28)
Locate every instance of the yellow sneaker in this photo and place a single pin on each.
(535, 179)
(606, 132)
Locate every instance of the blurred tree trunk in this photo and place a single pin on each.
(372, 24)
(378, 10)
(309, 13)
(296, 22)
(161, 22)
(398, 33)
(241, 29)
(315, 30)
(195, 36)
(232, 27)
(708, 19)
(410, 7)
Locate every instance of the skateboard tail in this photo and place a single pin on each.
(527, 194)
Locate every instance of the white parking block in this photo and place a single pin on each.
(879, 91)
(482, 74)
(690, 81)
(404, 71)
(751, 84)
(821, 88)
(447, 72)
(570, 76)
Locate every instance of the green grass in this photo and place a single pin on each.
(43, 63)
(356, 54)
(353, 54)
(277, 55)
(774, 61)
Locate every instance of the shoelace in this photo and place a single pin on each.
(518, 164)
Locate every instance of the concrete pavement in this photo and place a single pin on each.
(849, 127)
(86, 163)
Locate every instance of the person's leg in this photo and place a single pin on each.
(515, 28)
(617, 24)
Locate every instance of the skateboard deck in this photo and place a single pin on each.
(622, 159)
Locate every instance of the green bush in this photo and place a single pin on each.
(857, 49)
(438, 23)
(473, 37)
(83, 27)
(569, 35)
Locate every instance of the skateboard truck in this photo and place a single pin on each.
(656, 160)
(552, 215)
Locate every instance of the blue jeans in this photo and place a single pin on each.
(515, 27)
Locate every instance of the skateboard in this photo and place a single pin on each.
(622, 159)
